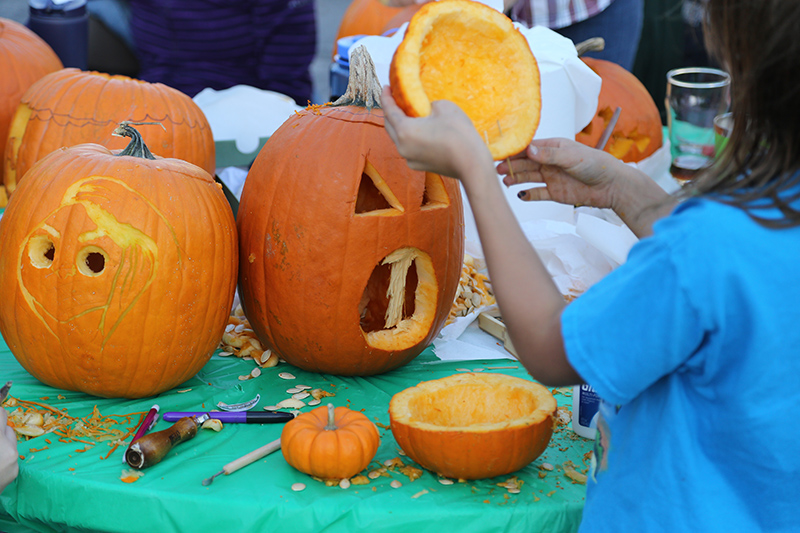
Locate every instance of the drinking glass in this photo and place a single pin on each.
(695, 95)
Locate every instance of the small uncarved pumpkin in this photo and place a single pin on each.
(638, 132)
(117, 271)
(71, 106)
(330, 443)
(350, 259)
(473, 426)
(471, 54)
(24, 58)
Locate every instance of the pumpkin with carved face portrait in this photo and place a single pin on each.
(117, 271)
(350, 260)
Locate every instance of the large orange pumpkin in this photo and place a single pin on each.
(473, 426)
(117, 271)
(471, 54)
(638, 132)
(350, 259)
(24, 58)
(71, 107)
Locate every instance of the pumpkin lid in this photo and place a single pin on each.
(471, 54)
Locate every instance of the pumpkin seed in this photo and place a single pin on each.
(445, 481)
(255, 372)
(293, 390)
(314, 402)
(271, 408)
(374, 474)
(300, 395)
(303, 387)
(462, 369)
(297, 487)
(291, 403)
(245, 377)
(345, 483)
(395, 484)
(286, 375)
(225, 354)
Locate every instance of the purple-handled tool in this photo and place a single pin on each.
(235, 417)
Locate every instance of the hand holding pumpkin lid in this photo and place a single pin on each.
(471, 54)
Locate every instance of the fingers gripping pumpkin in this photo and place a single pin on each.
(350, 259)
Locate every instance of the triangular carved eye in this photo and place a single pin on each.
(374, 195)
(435, 195)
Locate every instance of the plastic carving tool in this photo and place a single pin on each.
(152, 448)
(236, 417)
(245, 460)
(148, 423)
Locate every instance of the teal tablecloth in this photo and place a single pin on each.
(60, 489)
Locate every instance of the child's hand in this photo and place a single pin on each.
(444, 142)
(9, 467)
(571, 172)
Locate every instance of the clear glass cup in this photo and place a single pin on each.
(695, 96)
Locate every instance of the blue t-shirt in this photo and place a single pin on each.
(694, 346)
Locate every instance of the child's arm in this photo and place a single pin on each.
(579, 175)
(445, 142)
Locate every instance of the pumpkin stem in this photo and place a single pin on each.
(363, 87)
(331, 422)
(595, 44)
(135, 148)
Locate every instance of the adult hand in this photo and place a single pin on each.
(9, 465)
(444, 142)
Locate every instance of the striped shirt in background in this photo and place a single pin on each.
(555, 14)
(193, 44)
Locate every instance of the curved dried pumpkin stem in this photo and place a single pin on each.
(363, 87)
(331, 426)
(595, 44)
(135, 148)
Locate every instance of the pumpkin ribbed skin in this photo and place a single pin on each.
(117, 272)
(24, 58)
(313, 237)
(638, 132)
(333, 454)
(71, 106)
(470, 54)
(473, 426)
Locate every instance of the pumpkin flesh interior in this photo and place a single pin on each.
(465, 54)
(467, 403)
(399, 303)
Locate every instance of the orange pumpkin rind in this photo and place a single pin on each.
(638, 132)
(473, 426)
(471, 54)
(312, 446)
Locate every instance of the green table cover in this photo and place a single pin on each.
(59, 489)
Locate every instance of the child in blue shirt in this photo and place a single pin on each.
(693, 344)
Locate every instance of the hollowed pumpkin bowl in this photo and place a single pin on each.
(473, 426)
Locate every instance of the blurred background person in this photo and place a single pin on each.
(193, 44)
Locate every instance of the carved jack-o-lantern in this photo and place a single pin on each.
(72, 106)
(349, 259)
(117, 271)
